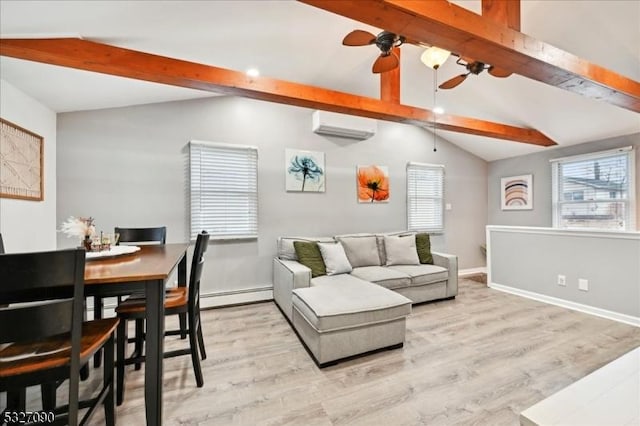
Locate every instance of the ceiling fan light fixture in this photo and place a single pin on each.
(434, 56)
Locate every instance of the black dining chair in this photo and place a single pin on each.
(157, 235)
(48, 341)
(178, 301)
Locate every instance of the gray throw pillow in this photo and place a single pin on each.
(361, 251)
(335, 259)
(401, 250)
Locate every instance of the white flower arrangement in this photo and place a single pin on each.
(78, 227)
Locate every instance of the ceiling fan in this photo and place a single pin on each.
(473, 67)
(385, 41)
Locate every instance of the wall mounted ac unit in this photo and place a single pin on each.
(344, 126)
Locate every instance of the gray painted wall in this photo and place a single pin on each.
(531, 260)
(538, 165)
(129, 167)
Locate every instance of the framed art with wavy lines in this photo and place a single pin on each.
(516, 192)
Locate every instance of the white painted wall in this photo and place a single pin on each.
(129, 167)
(30, 225)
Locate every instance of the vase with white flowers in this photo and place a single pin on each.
(79, 227)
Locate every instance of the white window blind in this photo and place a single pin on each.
(224, 190)
(595, 191)
(425, 197)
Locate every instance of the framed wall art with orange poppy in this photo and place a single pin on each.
(373, 184)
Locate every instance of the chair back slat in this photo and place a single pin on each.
(1, 245)
(39, 276)
(142, 235)
(35, 321)
(197, 264)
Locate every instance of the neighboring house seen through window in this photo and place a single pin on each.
(425, 197)
(595, 191)
(224, 190)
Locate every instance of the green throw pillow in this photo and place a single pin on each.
(423, 245)
(309, 255)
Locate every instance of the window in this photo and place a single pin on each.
(425, 197)
(224, 190)
(595, 190)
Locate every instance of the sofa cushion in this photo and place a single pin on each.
(309, 255)
(381, 275)
(380, 237)
(286, 250)
(423, 246)
(401, 250)
(352, 304)
(336, 280)
(361, 250)
(335, 259)
(422, 274)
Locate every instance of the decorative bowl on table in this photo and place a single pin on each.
(113, 251)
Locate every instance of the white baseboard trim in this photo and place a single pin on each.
(472, 271)
(236, 297)
(604, 313)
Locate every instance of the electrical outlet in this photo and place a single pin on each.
(583, 284)
(447, 206)
(562, 280)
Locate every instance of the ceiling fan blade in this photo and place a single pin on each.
(453, 82)
(359, 38)
(385, 63)
(499, 72)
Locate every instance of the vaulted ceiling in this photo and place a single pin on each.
(300, 43)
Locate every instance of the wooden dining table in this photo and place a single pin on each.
(147, 270)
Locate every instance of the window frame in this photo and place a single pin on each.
(439, 228)
(196, 226)
(630, 201)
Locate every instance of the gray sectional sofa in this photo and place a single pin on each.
(338, 316)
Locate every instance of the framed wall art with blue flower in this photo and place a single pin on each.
(304, 171)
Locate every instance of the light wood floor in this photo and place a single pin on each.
(479, 359)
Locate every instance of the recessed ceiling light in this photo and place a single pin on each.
(438, 110)
(253, 72)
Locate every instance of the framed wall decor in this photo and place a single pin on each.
(516, 192)
(373, 184)
(21, 163)
(304, 171)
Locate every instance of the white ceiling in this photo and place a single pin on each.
(292, 41)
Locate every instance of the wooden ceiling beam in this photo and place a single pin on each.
(505, 12)
(97, 57)
(440, 23)
(390, 83)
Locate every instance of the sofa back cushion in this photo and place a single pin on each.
(309, 255)
(423, 246)
(401, 250)
(361, 250)
(381, 250)
(286, 250)
(335, 259)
